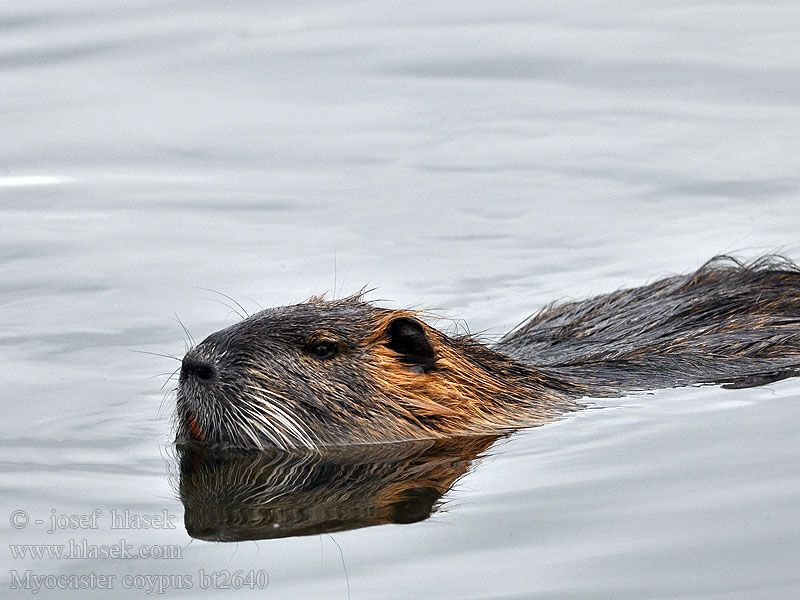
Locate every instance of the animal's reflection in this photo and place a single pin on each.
(271, 494)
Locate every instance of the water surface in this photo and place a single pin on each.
(476, 160)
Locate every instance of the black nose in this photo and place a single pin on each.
(198, 368)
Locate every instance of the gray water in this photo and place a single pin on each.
(476, 159)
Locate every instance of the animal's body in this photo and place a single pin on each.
(347, 372)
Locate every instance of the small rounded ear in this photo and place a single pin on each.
(407, 337)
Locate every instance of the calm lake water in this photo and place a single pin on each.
(476, 159)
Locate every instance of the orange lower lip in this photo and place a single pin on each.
(197, 432)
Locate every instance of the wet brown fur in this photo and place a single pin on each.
(466, 389)
(394, 377)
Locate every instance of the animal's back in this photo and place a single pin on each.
(725, 323)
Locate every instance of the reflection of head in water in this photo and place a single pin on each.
(240, 496)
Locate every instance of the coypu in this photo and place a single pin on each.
(343, 372)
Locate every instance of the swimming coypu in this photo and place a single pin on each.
(340, 372)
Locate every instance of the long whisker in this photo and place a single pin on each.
(242, 308)
(186, 331)
(175, 372)
(233, 309)
(161, 354)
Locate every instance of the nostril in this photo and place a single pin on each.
(204, 373)
(198, 368)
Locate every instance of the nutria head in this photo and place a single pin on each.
(345, 372)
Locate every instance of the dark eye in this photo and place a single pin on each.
(322, 349)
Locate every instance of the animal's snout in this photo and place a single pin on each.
(197, 368)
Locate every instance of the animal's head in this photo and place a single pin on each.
(340, 372)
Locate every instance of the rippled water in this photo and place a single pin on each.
(476, 159)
